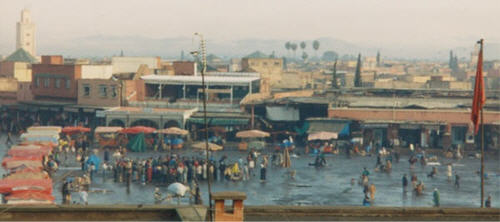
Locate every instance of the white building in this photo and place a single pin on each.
(26, 33)
(131, 64)
(97, 71)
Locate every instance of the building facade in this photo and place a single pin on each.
(271, 70)
(132, 64)
(52, 80)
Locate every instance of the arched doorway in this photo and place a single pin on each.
(171, 123)
(116, 122)
(145, 122)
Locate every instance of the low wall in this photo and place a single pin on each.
(329, 213)
(251, 213)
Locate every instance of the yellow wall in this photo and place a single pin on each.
(22, 72)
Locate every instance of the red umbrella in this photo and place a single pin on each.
(138, 129)
(75, 129)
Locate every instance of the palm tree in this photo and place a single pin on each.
(316, 47)
(304, 56)
(303, 45)
(294, 48)
(287, 47)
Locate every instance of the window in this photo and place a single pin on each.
(27, 44)
(277, 63)
(264, 63)
(68, 84)
(37, 82)
(86, 90)
(27, 34)
(58, 83)
(20, 86)
(46, 82)
(113, 91)
(103, 91)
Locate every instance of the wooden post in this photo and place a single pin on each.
(252, 121)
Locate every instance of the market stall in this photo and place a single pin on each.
(253, 139)
(173, 137)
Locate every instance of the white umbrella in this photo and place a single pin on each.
(177, 189)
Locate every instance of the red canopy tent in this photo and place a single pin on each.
(31, 147)
(30, 195)
(27, 153)
(28, 170)
(7, 160)
(20, 164)
(75, 129)
(138, 129)
(28, 175)
(22, 185)
(39, 143)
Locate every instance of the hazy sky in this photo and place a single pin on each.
(449, 23)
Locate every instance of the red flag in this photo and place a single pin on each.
(479, 97)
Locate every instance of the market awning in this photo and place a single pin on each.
(217, 121)
(340, 128)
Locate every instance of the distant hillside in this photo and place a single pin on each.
(171, 48)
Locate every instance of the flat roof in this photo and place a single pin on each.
(130, 109)
(196, 80)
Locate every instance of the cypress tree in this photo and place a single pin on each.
(378, 58)
(334, 76)
(357, 75)
(450, 63)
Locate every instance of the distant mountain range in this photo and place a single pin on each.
(170, 48)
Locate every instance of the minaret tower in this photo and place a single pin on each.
(26, 33)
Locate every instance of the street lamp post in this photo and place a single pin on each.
(203, 70)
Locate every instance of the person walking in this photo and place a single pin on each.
(405, 183)
(84, 197)
(372, 191)
(157, 196)
(487, 203)
(449, 172)
(263, 172)
(435, 198)
(66, 193)
(457, 181)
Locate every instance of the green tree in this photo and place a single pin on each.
(304, 56)
(316, 47)
(329, 56)
(334, 76)
(357, 75)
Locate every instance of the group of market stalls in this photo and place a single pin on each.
(138, 138)
(141, 137)
(27, 182)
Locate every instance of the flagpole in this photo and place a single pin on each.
(482, 159)
(482, 132)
